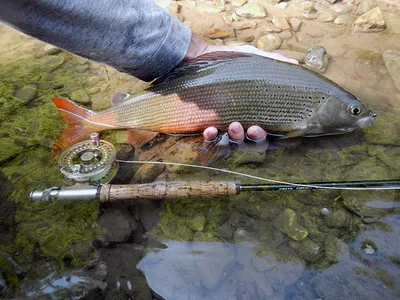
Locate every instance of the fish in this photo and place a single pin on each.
(218, 88)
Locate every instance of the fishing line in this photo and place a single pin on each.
(255, 177)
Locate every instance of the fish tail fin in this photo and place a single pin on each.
(79, 126)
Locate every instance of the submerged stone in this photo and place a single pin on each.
(148, 172)
(365, 6)
(262, 264)
(296, 24)
(197, 223)
(337, 219)
(342, 8)
(119, 225)
(269, 42)
(334, 248)
(371, 21)
(393, 22)
(281, 23)
(244, 24)
(238, 3)
(317, 58)
(344, 19)
(307, 249)
(51, 63)
(27, 93)
(287, 223)
(219, 33)
(51, 50)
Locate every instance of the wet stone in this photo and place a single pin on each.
(371, 21)
(269, 42)
(344, 19)
(287, 223)
(27, 93)
(342, 8)
(93, 90)
(251, 10)
(51, 63)
(365, 6)
(209, 7)
(296, 24)
(246, 38)
(305, 8)
(197, 223)
(281, 23)
(392, 63)
(317, 58)
(80, 96)
(244, 24)
(262, 264)
(147, 173)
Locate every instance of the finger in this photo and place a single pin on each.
(256, 133)
(210, 133)
(236, 132)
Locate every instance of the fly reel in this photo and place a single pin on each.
(91, 161)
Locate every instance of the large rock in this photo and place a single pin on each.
(269, 42)
(392, 63)
(287, 223)
(371, 21)
(251, 10)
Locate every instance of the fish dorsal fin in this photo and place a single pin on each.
(118, 98)
(201, 63)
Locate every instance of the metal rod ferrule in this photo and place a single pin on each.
(66, 193)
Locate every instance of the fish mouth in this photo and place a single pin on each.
(367, 121)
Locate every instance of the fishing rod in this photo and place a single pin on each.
(88, 166)
(183, 190)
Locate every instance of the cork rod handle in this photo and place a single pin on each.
(168, 190)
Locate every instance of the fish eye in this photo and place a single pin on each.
(355, 110)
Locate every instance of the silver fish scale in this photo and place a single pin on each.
(251, 90)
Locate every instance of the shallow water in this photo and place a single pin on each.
(257, 245)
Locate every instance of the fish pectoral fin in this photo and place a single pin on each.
(298, 132)
(118, 98)
(138, 138)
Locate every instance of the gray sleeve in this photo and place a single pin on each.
(134, 36)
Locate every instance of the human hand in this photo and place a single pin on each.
(236, 131)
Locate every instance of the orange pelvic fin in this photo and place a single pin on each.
(138, 138)
(79, 125)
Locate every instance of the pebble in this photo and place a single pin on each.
(342, 8)
(296, 24)
(269, 42)
(317, 58)
(306, 8)
(234, 42)
(93, 90)
(326, 16)
(365, 6)
(281, 23)
(238, 3)
(147, 173)
(27, 93)
(197, 223)
(369, 249)
(208, 7)
(344, 19)
(251, 10)
(371, 21)
(219, 33)
(80, 96)
(392, 63)
(244, 24)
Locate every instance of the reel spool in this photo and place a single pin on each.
(91, 161)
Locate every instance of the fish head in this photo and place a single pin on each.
(343, 114)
